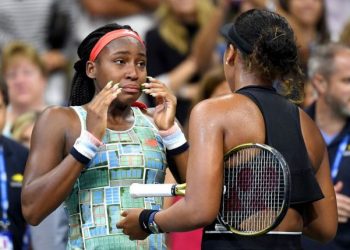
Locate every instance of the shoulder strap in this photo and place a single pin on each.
(81, 113)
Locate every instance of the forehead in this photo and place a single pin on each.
(19, 60)
(125, 44)
(342, 61)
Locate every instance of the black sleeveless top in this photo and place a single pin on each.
(283, 132)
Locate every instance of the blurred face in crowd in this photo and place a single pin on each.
(25, 81)
(183, 7)
(337, 93)
(306, 12)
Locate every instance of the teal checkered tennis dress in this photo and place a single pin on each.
(102, 190)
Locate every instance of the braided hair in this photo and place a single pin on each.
(83, 88)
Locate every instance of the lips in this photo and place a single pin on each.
(130, 88)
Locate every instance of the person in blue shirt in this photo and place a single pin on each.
(13, 157)
(329, 72)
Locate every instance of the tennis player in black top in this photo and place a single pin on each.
(261, 67)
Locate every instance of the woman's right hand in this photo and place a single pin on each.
(97, 108)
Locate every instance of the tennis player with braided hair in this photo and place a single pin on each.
(88, 154)
(261, 67)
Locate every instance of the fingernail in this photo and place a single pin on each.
(109, 84)
(146, 91)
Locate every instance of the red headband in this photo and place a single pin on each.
(108, 37)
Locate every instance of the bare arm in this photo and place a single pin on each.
(324, 211)
(118, 8)
(204, 180)
(48, 179)
(206, 39)
(204, 163)
(50, 171)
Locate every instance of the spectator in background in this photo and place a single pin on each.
(345, 35)
(329, 72)
(25, 76)
(181, 46)
(13, 157)
(308, 20)
(46, 26)
(213, 84)
(337, 16)
(137, 13)
(22, 127)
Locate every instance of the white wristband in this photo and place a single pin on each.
(86, 145)
(175, 139)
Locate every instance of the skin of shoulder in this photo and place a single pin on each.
(238, 118)
(53, 135)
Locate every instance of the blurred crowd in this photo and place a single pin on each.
(39, 39)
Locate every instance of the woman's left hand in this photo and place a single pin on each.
(130, 224)
(164, 113)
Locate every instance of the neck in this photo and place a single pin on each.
(120, 117)
(327, 120)
(116, 111)
(244, 78)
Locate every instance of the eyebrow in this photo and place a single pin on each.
(127, 53)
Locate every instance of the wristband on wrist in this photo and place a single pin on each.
(173, 137)
(85, 147)
(144, 219)
(79, 156)
(92, 138)
(152, 225)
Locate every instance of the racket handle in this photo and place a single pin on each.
(151, 190)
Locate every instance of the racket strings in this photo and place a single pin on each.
(254, 192)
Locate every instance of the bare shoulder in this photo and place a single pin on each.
(223, 109)
(57, 116)
(313, 139)
(57, 111)
(58, 121)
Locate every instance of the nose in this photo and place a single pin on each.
(132, 72)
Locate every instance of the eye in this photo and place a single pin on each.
(119, 61)
(141, 64)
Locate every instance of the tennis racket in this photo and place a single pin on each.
(256, 190)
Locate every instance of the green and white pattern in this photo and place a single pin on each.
(102, 190)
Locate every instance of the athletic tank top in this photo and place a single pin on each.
(101, 192)
(283, 132)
